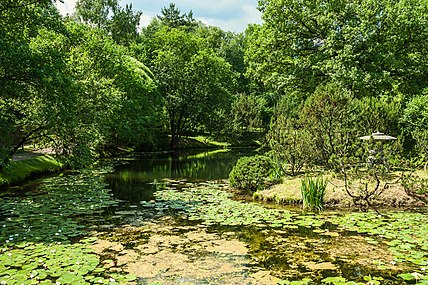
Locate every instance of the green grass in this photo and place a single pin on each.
(19, 171)
(210, 142)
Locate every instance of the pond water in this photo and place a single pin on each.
(173, 220)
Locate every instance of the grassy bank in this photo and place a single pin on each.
(19, 171)
(288, 192)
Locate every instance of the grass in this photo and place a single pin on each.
(19, 171)
(210, 142)
(289, 192)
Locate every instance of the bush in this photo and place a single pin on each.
(416, 187)
(313, 192)
(251, 173)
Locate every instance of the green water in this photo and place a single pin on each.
(173, 220)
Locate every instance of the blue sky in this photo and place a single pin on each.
(230, 15)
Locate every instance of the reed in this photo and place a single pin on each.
(313, 192)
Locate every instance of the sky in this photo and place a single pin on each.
(230, 15)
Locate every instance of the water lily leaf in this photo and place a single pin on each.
(67, 278)
(407, 276)
(334, 280)
(130, 277)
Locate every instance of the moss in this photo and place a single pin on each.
(19, 171)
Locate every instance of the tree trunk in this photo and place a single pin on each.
(11, 153)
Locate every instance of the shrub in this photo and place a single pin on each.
(313, 192)
(251, 173)
(416, 187)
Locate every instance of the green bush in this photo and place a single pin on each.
(313, 192)
(415, 186)
(251, 173)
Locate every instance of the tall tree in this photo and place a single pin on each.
(121, 23)
(96, 13)
(172, 17)
(370, 46)
(32, 56)
(195, 83)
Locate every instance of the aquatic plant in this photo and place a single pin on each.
(313, 192)
(39, 232)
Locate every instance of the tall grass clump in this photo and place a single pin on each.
(313, 192)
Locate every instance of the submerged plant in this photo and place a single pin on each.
(313, 192)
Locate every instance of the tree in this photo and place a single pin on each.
(115, 95)
(195, 83)
(414, 123)
(32, 59)
(95, 13)
(292, 144)
(171, 16)
(124, 24)
(67, 85)
(121, 23)
(329, 115)
(369, 47)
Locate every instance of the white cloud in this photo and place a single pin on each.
(230, 15)
(250, 15)
(145, 20)
(67, 7)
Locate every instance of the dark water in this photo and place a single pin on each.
(136, 179)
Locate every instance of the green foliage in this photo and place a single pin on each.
(313, 192)
(247, 118)
(32, 59)
(68, 86)
(415, 115)
(291, 142)
(195, 83)
(415, 186)
(329, 116)
(414, 123)
(247, 112)
(121, 23)
(381, 113)
(370, 47)
(251, 173)
(18, 171)
(172, 17)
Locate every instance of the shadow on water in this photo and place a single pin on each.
(137, 179)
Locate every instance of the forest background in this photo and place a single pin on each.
(306, 83)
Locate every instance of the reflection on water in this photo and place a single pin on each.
(136, 180)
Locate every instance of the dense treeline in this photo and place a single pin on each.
(313, 77)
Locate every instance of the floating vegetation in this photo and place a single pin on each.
(37, 234)
(290, 245)
(199, 233)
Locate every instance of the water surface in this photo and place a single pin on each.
(163, 219)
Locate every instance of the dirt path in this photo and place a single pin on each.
(27, 154)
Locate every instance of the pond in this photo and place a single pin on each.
(173, 220)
